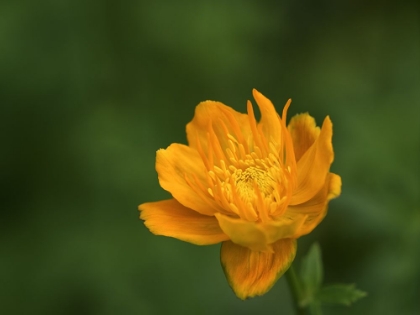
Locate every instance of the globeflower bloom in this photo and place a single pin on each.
(254, 186)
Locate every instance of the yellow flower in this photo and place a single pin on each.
(256, 187)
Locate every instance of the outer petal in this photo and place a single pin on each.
(260, 236)
(316, 208)
(314, 166)
(335, 186)
(251, 273)
(304, 132)
(170, 218)
(175, 165)
(223, 120)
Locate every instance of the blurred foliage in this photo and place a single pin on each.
(89, 90)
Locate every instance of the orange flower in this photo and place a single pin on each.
(256, 187)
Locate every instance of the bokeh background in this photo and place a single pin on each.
(89, 90)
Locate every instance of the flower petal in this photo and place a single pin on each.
(270, 120)
(259, 236)
(175, 166)
(316, 208)
(304, 132)
(251, 273)
(314, 166)
(223, 119)
(335, 186)
(170, 218)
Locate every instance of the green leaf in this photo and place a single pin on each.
(344, 294)
(312, 271)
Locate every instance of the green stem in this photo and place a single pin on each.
(296, 289)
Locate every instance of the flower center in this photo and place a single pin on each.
(253, 188)
(247, 180)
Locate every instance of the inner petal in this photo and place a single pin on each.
(253, 189)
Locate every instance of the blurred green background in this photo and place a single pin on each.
(89, 90)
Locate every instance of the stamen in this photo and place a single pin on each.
(262, 211)
(215, 144)
(257, 150)
(219, 172)
(199, 189)
(242, 151)
(236, 129)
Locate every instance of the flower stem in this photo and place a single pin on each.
(296, 289)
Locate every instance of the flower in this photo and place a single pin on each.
(255, 187)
